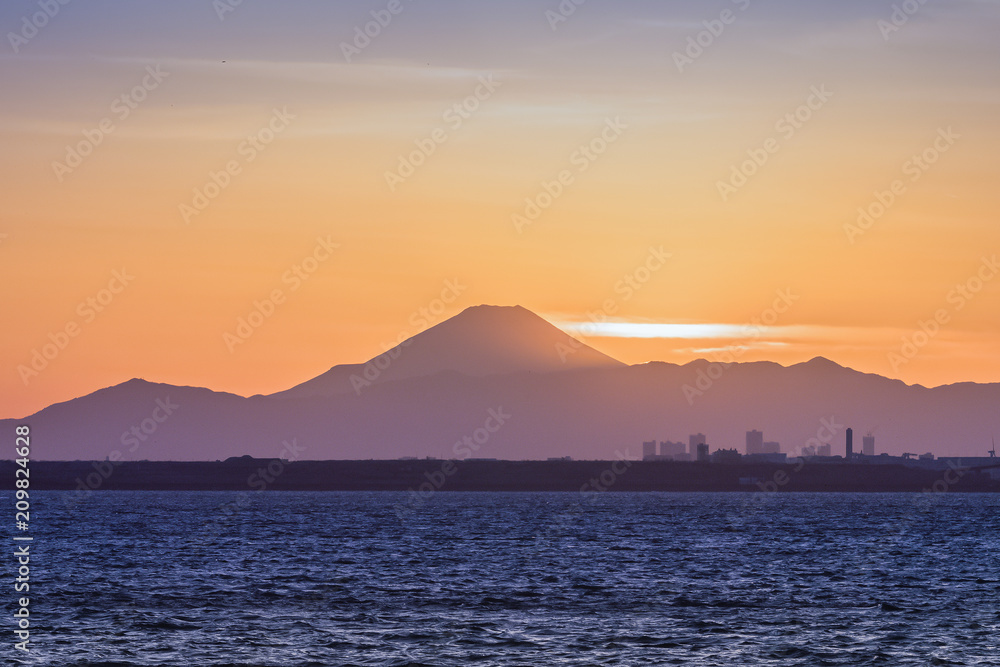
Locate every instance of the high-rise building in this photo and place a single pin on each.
(850, 444)
(648, 449)
(755, 442)
(702, 451)
(824, 450)
(672, 449)
(770, 448)
(693, 442)
(868, 445)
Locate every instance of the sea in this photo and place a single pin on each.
(356, 578)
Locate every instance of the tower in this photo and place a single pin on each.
(850, 444)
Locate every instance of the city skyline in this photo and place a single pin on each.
(815, 449)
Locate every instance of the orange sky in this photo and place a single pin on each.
(308, 139)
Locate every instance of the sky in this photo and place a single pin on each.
(240, 195)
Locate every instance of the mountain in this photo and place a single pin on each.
(479, 341)
(492, 383)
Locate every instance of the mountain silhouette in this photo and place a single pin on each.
(557, 396)
(479, 341)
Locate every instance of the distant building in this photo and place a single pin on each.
(672, 450)
(649, 450)
(726, 456)
(820, 451)
(693, 442)
(668, 451)
(868, 445)
(849, 452)
(702, 451)
(755, 442)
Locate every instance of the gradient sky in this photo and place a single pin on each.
(930, 85)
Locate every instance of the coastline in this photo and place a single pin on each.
(431, 475)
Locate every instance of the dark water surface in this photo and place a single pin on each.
(273, 578)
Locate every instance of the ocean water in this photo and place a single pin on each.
(273, 578)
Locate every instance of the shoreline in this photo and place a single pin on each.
(431, 475)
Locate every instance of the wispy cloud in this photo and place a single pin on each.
(748, 335)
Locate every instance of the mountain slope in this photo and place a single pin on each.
(479, 341)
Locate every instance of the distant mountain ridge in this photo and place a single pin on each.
(444, 387)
